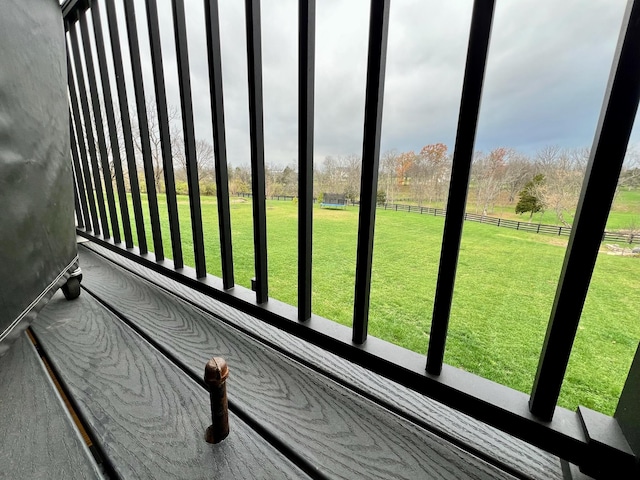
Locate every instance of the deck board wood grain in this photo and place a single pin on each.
(344, 434)
(38, 439)
(148, 417)
(525, 460)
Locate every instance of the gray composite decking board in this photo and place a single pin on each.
(37, 436)
(340, 432)
(518, 456)
(146, 415)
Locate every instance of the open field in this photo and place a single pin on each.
(504, 290)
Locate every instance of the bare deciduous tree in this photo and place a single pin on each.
(630, 175)
(204, 156)
(488, 175)
(519, 170)
(341, 174)
(155, 140)
(563, 171)
(329, 176)
(239, 180)
(436, 164)
(404, 162)
(387, 174)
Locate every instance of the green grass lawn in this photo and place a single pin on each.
(505, 287)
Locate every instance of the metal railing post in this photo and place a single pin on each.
(480, 33)
(163, 130)
(377, 58)
(186, 104)
(598, 189)
(219, 140)
(254, 60)
(306, 70)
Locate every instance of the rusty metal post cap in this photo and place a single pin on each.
(215, 376)
(216, 371)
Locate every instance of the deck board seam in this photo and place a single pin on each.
(96, 446)
(65, 399)
(39, 436)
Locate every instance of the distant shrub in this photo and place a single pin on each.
(182, 188)
(207, 187)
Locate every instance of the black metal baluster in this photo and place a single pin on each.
(97, 115)
(219, 140)
(377, 57)
(143, 128)
(254, 61)
(76, 203)
(477, 51)
(88, 131)
(165, 136)
(182, 53)
(81, 148)
(306, 72)
(598, 189)
(111, 124)
(123, 101)
(78, 173)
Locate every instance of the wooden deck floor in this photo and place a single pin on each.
(131, 352)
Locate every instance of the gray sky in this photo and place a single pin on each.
(549, 62)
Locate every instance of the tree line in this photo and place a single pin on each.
(548, 180)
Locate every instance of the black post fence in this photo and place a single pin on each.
(558, 230)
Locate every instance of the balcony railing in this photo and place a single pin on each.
(602, 446)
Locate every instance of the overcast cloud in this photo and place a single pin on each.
(549, 62)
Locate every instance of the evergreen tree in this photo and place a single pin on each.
(529, 200)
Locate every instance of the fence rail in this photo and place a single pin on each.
(558, 230)
(597, 443)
